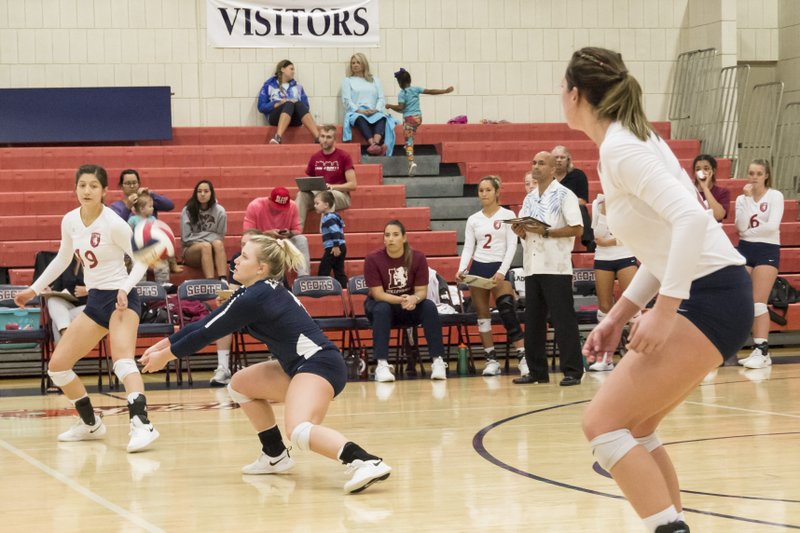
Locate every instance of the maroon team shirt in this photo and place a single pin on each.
(330, 166)
(380, 270)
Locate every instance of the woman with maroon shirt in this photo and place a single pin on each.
(397, 277)
(717, 199)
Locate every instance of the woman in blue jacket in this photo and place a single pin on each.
(285, 103)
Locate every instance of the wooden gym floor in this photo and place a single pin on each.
(469, 454)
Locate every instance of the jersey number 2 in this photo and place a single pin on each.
(488, 244)
(87, 258)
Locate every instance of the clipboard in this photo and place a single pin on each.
(64, 295)
(526, 220)
(479, 281)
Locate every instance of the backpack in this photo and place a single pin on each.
(191, 310)
(781, 295)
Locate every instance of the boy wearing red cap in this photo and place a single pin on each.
(277, 217)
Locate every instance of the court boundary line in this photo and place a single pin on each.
(80, 489)
(480, 448)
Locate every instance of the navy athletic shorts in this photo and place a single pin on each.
(760, 253)
(102, 303)
(615, 265)
(484, 270)
(721, 306)
(328, 364)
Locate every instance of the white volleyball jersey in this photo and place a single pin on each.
(653, 207)
(488, 240)
(101, 247)
(600, 228)
(760, 221)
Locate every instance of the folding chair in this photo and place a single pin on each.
(25, 328)
(150, 293)
(458, 321)
(328, 292)
(199, 290)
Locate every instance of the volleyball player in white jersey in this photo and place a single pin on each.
(490, 246)
(100, 239)
(702, 313)
(612, 261)
(759, 210)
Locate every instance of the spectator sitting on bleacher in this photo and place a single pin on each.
(276, 217)
(222, 374)
(759, 210)
(63, 310)
(285, 103)
(575, 180)
(336, 166)
(204, 224)
(397, 277)
(364, 107)
(143, 210)
(130, 183)
(717, 198)
(529, 182)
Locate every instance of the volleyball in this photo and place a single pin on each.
(152, 240)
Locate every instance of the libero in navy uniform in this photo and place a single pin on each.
(308, 373)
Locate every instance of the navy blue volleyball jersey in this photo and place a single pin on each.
(269, 313)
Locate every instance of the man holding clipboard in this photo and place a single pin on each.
(335, 166)
(548, 223)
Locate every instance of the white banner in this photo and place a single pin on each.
(292, 23)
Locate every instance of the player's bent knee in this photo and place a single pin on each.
(124, 368)
(62, 377)
(236, 396)
(650, 442)
(760, 309)
(301, 435)
(609, 448)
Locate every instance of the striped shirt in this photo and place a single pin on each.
(332, 229)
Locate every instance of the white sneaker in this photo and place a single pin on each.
(492, 368)
(601, 366)
(365, 473)
(412, 168)
(81, 431)
(523, 367)
(383, 372)
(438, 368)
(758, 361)
(755, 353)
(269, 465)
(221, 377)
(142, 435)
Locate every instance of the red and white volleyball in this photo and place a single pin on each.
(152, 240)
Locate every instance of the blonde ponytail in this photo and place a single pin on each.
(280, 255)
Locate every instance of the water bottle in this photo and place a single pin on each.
(463, 360)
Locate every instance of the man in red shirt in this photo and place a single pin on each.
(336, 166)
(276, 216)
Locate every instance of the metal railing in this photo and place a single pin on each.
(693, 86)
(758, 126)
(787, 151)
(725, 112)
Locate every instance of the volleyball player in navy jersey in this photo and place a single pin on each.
(100, 239)
(308, 372)
(704, 301)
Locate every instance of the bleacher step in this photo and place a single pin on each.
(447, 208)
(429, 187)
(397, 165)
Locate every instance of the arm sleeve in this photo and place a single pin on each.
(595, 213)
(581, 185)
(741, 215)
(421, 273)
(347, 162)
(250, 217)
(347, 102)
(723, 196)
(310, 167)
(372, 277)
(59, 263)
(511, 249)
(304, 97)
(186, 229)
(161, 202)
(121, 235)
(226, 319)
(644, 174)
(469, 246)
(265, 103)
(381, 102)
(294, 212)
(644, 286)
(221, 228)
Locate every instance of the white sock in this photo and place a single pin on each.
(132, 396)
(759, 341)
(222, 358)
(666, 516)
(682, 517)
